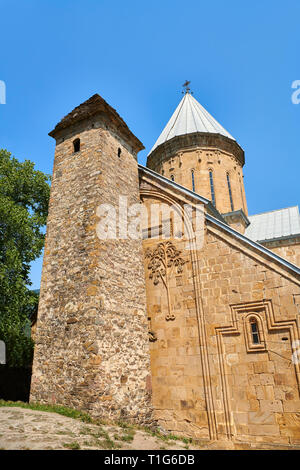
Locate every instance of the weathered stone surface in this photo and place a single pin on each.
(92, 320)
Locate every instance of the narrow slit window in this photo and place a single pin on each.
(212, 189)
(230, 192)
(172, 178)
(242, 196)
(254, 331)
(119, 152)
(76, 145)
(193, 181)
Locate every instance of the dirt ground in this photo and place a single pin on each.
(25, 429)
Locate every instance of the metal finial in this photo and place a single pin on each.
(186, 86)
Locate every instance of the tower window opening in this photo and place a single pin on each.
(230, 192)
(76, 145)
(212, 189)
(172, 178)
(193, 180)
(242, 196)
(254, 331)
(119, 152)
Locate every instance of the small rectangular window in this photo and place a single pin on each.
(254, 331)
(76, 145)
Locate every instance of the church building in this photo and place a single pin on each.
(198, 333)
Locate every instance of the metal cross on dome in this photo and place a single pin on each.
(186, 86)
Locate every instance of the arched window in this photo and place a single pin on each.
(172, 178)
(229, 190)
(76, 145)
(254, 331)
(212, 189)
(193, 180)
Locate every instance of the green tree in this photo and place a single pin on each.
(24, 197)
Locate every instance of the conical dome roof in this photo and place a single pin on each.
(189, 117)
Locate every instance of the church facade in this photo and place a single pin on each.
(194, 329)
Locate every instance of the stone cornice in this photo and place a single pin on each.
(239, 214)
(96, 105)
(197, 139)
(281, 241)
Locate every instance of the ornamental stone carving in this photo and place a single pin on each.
(165, 260)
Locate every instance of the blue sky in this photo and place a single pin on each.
(241, 58)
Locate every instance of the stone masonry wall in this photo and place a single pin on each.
(255, 387)
(92, 348)
(201, 160)
(210, 380)
(289, 250)
(176, 367)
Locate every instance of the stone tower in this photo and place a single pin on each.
(195, 151)
(92, 349)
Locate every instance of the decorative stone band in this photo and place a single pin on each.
(196, 139)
